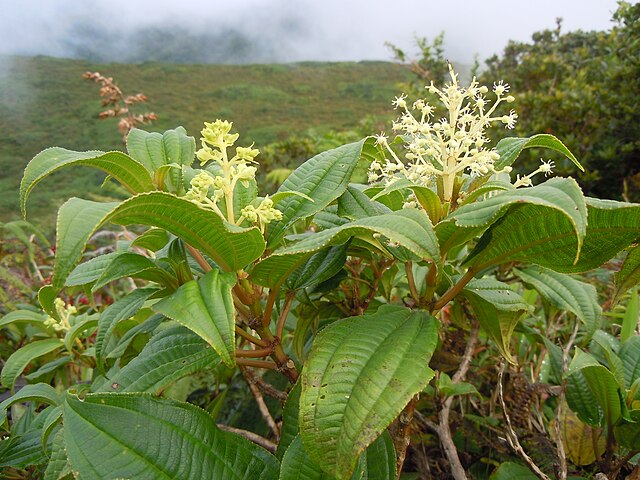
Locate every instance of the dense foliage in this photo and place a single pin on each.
(361, 295)
(44, 101)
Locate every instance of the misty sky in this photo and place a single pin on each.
(294, 30)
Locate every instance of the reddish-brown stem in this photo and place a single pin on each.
(257, 353)
(262, 406)
(285, 311)
(247, 362)
(268, 310)
(198, 257)
(454, 290)
(254, 437)
(265, 387)
(404, 433)
(247, 336)
(412, 282)
(242, 295)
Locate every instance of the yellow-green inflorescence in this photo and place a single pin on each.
(449, 146)
(64, 312)
(216, 140)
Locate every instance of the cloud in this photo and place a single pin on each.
(245, 31)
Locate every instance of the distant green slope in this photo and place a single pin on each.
(45, 102)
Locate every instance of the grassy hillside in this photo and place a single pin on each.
(45, 102)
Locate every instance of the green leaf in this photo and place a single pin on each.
(78, 329)
(409, 228)
(157, 150)
(206, 307)
(23, 450)
(448, 388)
(319, 267)
(121, 309)
(525, 223)
(630, 356)
(426, 197)
(290, 417)
(296, 465)
(24, 316)
(355, 204)
(131, 174)
(46, 298)
(510, 148)
(323, 178)
(628, 434)
(58, 466)
(629, 274)
(381, 458)
(153, 239)
(147, 327)
(169, 355)
(188, 444)
(549, 240)
(630, 318)
(360, 374)
(229, 246)
(565, 293)
(19, 359)
(511, 471)
(39, 392)
(498, 310)
(90, 270)
(603, 387)
(493, 186)
(136, 266)
(532, 235)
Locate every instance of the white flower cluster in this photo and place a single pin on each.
(448, 146)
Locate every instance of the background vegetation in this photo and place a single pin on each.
(44, 101)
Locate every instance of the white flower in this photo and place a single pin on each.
(546, 167)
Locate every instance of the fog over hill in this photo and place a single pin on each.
(265, 31)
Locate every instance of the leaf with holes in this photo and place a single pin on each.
(360, 374)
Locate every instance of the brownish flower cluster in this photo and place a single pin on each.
(120, 104)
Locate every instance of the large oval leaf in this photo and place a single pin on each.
(409, 228)
(39, 392)
(360, 374)
(154, 150)
(229, 246)
(603, 388)
(168, 356)
(118, 311)
(296, 465)
(206, 307)
(323, 178)
(498, 310)
(528, 220)
(565, 293)
(146, 438)
(19, 359)
(118, 165)
(510, 148)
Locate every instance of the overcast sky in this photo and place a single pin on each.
(297, 30)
